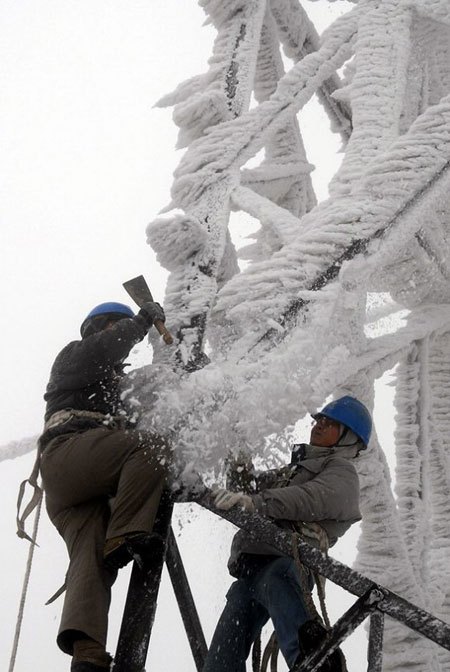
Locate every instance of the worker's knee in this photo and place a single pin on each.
(278, 576)
(152, 448)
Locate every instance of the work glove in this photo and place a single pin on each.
(151, 312)
(225, 500)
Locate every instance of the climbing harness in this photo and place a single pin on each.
(317, 536)
(35, 500)
(67, 414)
(58, 419)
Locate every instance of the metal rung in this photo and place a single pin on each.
(344, 627)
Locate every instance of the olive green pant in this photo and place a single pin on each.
(99, 484)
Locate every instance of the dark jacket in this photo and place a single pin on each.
(86, 374)
(322, 490)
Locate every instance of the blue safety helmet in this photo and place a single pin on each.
(351, 413)
(110, 310)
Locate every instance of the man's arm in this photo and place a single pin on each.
(331, 495)
(81, 363)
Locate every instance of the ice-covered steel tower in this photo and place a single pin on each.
(302, 320)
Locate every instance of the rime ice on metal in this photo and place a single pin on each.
(289, 329)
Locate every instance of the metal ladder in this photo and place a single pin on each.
(374, 601)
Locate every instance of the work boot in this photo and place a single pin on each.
(310, 636)
(119, 551)
(89, 656)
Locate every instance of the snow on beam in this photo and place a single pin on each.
(439, 475)
(377, 88)
(384, 351)
(228, 146)
(438, 10)
(381, 354)
(312, 361)
(192, 286)
(392, 197)
(412, 450)
(436, 252)
(299, 37)
(267, 212)
(18, 448)
(395, 606)
(208, 173)
(284, 172)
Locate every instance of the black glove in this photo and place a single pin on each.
(151, 312)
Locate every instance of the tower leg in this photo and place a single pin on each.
(140, 605)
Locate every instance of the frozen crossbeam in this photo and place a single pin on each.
(355, 247)
(392, 605)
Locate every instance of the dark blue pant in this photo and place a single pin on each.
(272, 592)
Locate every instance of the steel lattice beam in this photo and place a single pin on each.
(390, 603)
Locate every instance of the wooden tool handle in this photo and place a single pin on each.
(140, 292)
(167, 336)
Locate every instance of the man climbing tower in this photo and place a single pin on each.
(316, 495)
(103, 479)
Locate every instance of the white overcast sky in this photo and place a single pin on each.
(86, 162)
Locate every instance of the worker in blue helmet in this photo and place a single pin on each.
(102, 478)
(99, 316)
(352, 414)
(317, 496)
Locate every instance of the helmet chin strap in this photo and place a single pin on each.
(307, 451)
(347, 433)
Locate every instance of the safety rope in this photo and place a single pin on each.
(309, 531)
(309, 602)
(35, 500)
(270, 654)
(26, 580)
(320, 583)
(256, 654)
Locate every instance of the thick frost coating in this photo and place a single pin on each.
(289, 329)
(396, 157)
(175, 240)
(392, 110)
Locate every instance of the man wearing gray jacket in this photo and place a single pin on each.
(319, 487)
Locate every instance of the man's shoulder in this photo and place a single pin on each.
(71, 345)
(333, 461)
(337, 460)
(66, 350)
